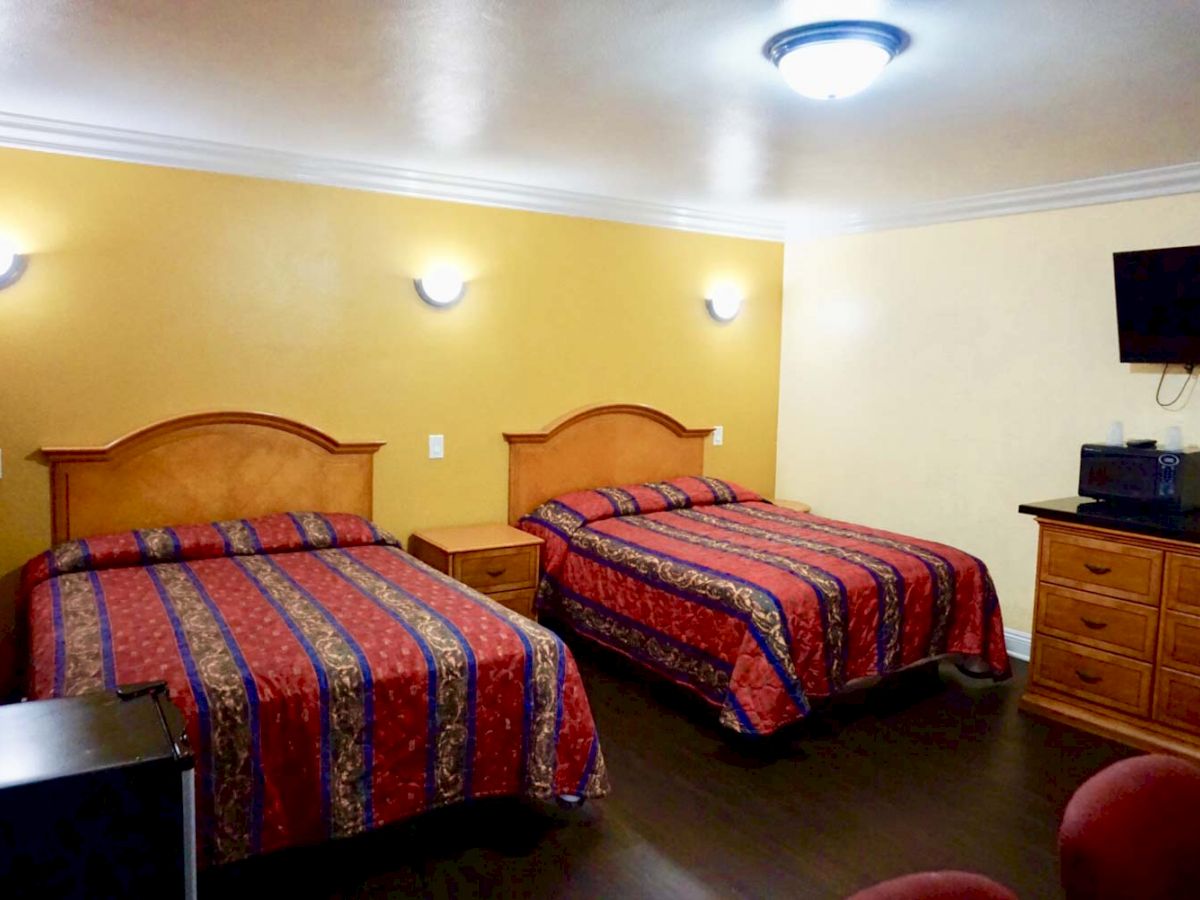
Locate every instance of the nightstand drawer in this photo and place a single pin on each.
(497, 570)
(1120, 626)
(1107, 567)
(517, 601)
(1094, 675)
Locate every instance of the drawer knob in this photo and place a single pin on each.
(1088, 679)
(1097, 570)
(495, 573)
(1092, 623)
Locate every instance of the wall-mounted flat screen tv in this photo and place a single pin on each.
(1158, 305)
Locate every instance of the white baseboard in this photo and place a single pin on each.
(1018, 643)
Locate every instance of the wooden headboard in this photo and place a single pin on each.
(608, 444)
(205, 467)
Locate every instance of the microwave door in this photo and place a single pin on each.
(1120, 477)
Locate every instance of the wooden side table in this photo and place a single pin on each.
(497, 560)
(792, 504)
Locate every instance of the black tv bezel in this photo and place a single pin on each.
(1166, 357)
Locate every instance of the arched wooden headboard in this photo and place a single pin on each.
(607, 444)
(206, 467)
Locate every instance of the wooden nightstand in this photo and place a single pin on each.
(792, 504)
(496, 560)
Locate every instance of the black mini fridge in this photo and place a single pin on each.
(97, 797)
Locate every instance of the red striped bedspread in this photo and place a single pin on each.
(330, 682)
(754, 607)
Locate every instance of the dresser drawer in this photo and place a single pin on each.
(1107, 567)
(1182, 587)
(1177, 700)
(1120, 626)
(1181, 642)
(1093, 675)
(497, 570)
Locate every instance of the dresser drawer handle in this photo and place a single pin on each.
(1088, 679)
(1097, 570)
(495, 573)
(1092, 623)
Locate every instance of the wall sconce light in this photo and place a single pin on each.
(12, 263)
(441, 287)
(724, 302)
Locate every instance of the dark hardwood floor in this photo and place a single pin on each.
(931, 770)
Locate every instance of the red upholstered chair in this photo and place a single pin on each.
(1133, 831)
(937, 886)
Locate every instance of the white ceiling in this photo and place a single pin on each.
(655, 101)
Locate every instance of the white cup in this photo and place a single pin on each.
(1174, 438)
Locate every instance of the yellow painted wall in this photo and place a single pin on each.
(934, 378)
(153, 292)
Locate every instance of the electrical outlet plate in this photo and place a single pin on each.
(437, 446)
(718, 435)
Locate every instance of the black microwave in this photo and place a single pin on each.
(1167, 480)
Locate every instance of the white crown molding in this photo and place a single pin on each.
(1139, 185)
(77, 139)
(1018, 643)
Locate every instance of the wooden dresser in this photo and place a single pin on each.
(497, 560)
(1116, 642)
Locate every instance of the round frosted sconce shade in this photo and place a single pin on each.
(441, 287)
(12, 264)
(724, 302)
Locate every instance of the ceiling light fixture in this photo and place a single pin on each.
(829, 60)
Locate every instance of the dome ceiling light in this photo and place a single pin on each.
(829, 60)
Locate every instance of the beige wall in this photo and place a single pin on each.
(934, 378)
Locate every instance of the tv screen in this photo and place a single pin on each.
(1158, 305)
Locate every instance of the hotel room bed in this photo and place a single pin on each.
(330, 682)
(756, 608)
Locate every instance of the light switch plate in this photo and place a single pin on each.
(437, 446)
(718, 435)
